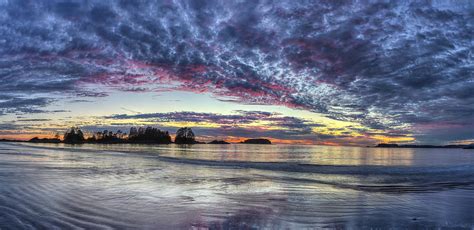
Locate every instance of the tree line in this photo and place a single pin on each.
(140, 135)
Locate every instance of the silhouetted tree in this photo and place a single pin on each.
(119, 134)
(92, 139)
(133, 132)
(148, 135)
(141, 135)
(74, 136)
(185, 136)
(108, 137)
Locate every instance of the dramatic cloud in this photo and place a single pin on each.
(387, 65)
(271, 120)
(241, 124)
(10, 104)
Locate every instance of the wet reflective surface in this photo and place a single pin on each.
(233, 187)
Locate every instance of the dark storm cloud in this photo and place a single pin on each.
(381, 63)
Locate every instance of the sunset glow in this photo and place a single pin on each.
(282, 71)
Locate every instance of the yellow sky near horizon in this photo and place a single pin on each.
(92, 113)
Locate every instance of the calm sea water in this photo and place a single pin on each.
(233, 187)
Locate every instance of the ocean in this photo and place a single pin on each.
(237, 186)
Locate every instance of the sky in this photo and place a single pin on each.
(296, 72)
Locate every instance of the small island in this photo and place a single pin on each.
(45, 140)
(219, 142)
(389, 145)
(185, 136)
(260, 141)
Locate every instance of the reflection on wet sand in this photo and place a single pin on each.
(214, 187)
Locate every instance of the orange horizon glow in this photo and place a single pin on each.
(232, 139)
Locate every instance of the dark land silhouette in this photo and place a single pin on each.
(74, 136)
(219, 142)
(10, 140)
(44, 140)
(257, 141)
(136, 135)
(148, 135)
(140, 135)
(185, 136)
(386, 145)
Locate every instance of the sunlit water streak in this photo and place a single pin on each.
(233, 186)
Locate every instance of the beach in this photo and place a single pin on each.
(237, 186)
